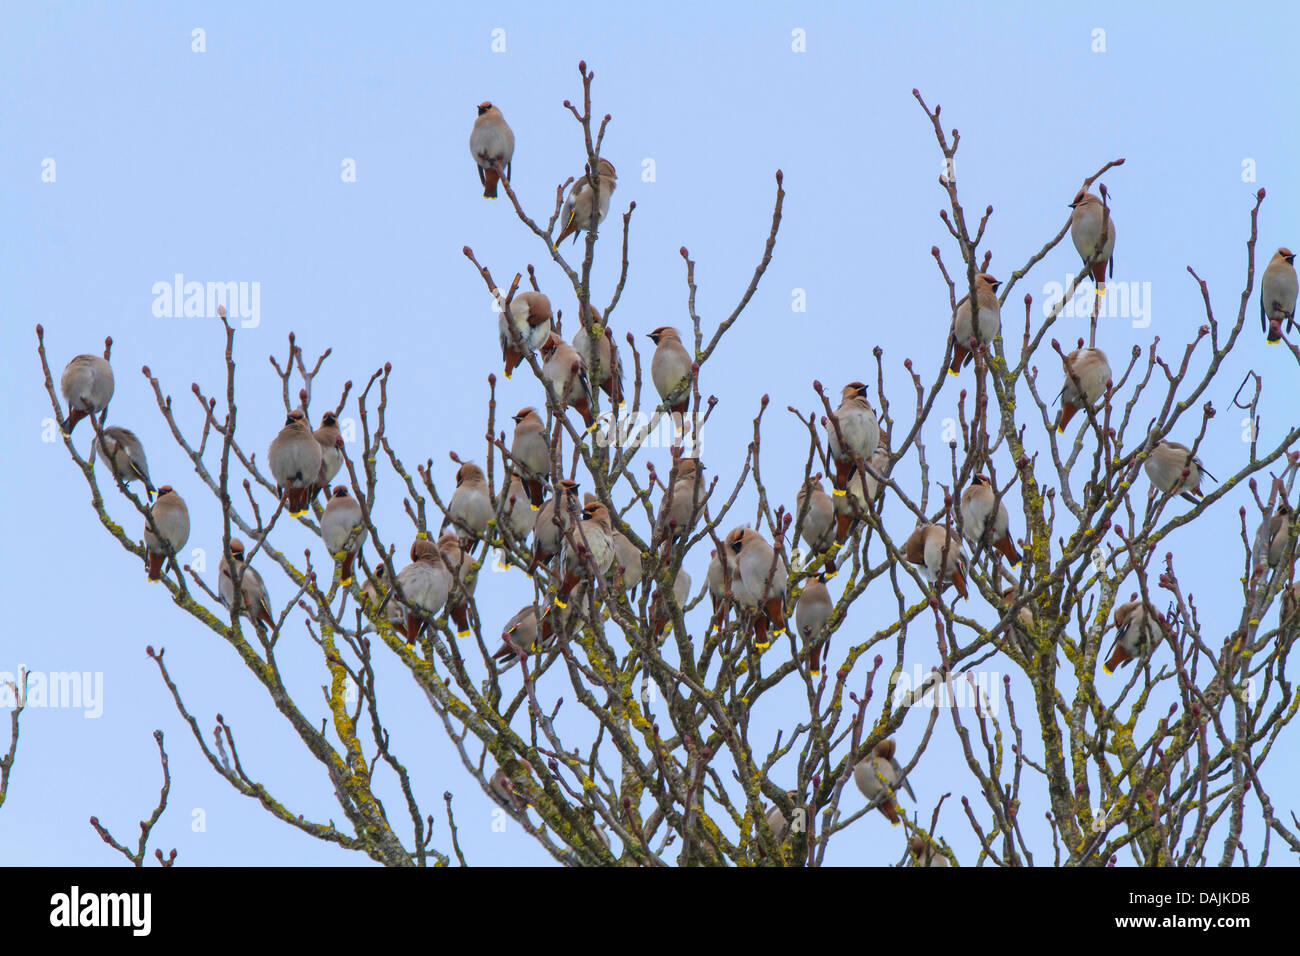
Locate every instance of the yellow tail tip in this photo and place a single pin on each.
(830, 574)
(1060, 429)
(532, 506)
(762, 647)
(561, 605)
(1106, 669)
(508, 374)
(778, 633)
(838, 492)
(893, 823)
(345, 582)
(1266, 341)
(952, 372)
(464, 633)
(815, 673)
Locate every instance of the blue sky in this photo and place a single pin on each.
(226, 165)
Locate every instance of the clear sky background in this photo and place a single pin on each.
(226, 165)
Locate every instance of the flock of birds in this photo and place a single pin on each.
(576, 538)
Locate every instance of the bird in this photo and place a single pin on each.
(670, 369)
(425, 584)
(172, 520)
(491, 143)
(527, 631)
(1092, 370)
(926, 547)
(879, 777)
(863, 487)
(722, 582)
(603, 365)
(979, 522)
(852, 433)
(924, 853)
(470, 509)
(519, 513)
(683, 502)
(1024, 616)
(1166, 464)
(989, 321)
(461, 565)
(551, 524)
(818, 528)
(576, 213)
(1291, 606)
(87, 386)
(530, 454)
(340, 524)
(627, 561)
(125, 456)
(811, 613)
(1279, 534)
(331, 451)
(1086, 222)
(565, 377)
(253, 600)
(1277, 295)
(531, 316)
(373, 591)
(758, 582)
(295, 460)
(660, 614)
(593, 538)
(776, 821)
(507, 791)
(1138, 629)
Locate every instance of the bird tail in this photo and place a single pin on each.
(569, 229)
(297, 499)
(1099, 276)
(155, 565)
(1274, 331)
(761, 640)
(264, 616)
(584, 410)
(960, 354)
(490, 177)
(776, 611)
(843, 526)
(414, 624)
(1118, 657)
(890, 810)
(815, 660)
(74, 415)
(1067, 412)
(959, 581)
(460, 614)
(1009, 549)
(345, 574)
(536, 490)
(512, 358)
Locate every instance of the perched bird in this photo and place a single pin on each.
(551, 523)
(660, 614)
(373, 591)
(491, 142)
(810, 615)
(989, 320)
(576, 213)
(461, 565)
(295, 460)
(852, 432)
(172, 519)
(1092, 370)
(1291, 607)
(470, 508)
(1166, 464)
(722, 581)
(863, 487)
(341, 522)
(758, 582)
(818, 528)
(425, 584)
(926, 547)
(1279, 534)
(593, 539)
(980, 524)
(253, 600)
(1138, 630)
(87, 386)
(530, 454)
(125, 456)
(603, 364)
(627, 561)
(331, 451)
(1277, 295)
(1086, 227)
(1024, 616)
(924, 853)
(529, 630)
(507, 791)
(776, 821)
(670, 369)
(683, 503)
(565, 376)
(879, 777)
(519, 512)
(531, 316)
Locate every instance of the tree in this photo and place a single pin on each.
(667, 769)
